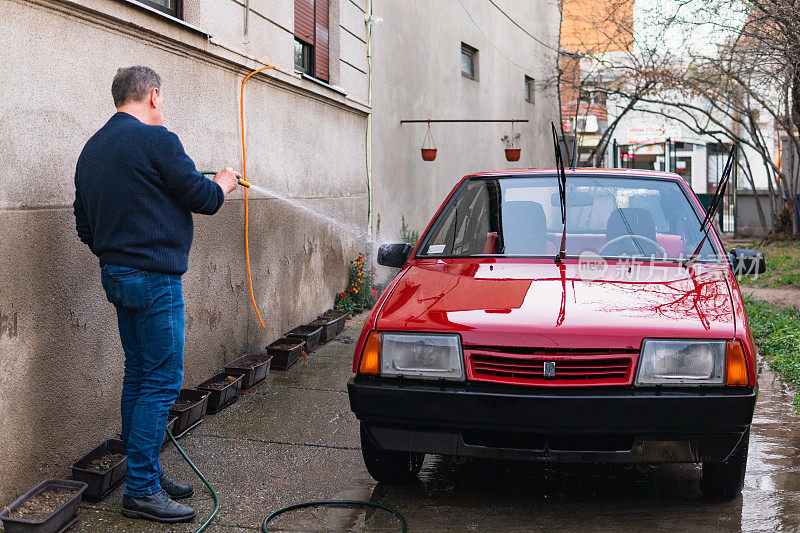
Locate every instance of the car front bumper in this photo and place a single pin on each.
(574, 425)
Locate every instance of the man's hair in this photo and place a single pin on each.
(133, 84)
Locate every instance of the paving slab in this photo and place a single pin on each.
(292, 415)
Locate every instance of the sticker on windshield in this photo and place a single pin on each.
(436, 248)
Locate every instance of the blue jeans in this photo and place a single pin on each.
(152, 327)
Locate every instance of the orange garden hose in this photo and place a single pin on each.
(246, 211)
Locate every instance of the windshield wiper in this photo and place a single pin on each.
(562, 194)
(714, 206)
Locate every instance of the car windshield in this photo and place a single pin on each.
(613, 217)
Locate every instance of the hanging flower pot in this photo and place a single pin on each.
(511, 140)
(428, 154)
(428, 145)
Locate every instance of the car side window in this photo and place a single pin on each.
(465, 229)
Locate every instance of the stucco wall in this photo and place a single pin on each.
(417, 75)
(60, 356)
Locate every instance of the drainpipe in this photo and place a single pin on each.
(368, 20)
(247, 22)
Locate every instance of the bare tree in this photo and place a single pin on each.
(728, 70)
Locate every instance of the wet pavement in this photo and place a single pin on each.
(295, 439)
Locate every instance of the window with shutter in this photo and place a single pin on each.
(304, 21)
(321, 44)
(311, 37)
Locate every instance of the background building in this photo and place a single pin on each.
(456, 59)
(60, 355)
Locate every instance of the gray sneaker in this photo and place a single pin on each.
(158, 507)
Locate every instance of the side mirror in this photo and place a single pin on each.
(394, 255)
(747, 262)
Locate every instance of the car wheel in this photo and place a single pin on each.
(726, 479)
(387, 466)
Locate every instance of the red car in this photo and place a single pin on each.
(632, 346)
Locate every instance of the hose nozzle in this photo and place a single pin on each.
(244, 183)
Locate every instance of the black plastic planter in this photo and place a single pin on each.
(327, 329)
(254, 367)
(170, 426)
(58, 520)
(189, 409)
(101, 478)
(334, 313)
(223, 390)
(308, 333)
(332, 325)
(285, 352)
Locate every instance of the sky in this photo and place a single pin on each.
(700, 25)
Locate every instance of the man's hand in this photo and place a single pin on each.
(228, 179)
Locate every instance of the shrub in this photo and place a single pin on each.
(360, 294)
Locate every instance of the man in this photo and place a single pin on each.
(135, 192)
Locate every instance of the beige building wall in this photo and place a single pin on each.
(60, 355)
(416, 74)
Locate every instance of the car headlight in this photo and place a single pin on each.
(681, 362)
(422, 355)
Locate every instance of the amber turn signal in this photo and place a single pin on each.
(371, 357)
(736, 364)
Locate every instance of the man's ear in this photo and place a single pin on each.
(153, 101)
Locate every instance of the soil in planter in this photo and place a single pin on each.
(182, 405)
(106, 462)
(221, 384)
(42, 505)
(284, 345)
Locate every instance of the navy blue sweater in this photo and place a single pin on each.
(135, 192)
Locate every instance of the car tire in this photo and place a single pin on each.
(726, 479)
(387, 466)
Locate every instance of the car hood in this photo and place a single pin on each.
(562, 306)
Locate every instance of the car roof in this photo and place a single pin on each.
(610, 172)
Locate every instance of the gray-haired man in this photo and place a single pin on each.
(135, 192)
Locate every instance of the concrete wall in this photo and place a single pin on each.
(747, 222)
(416, 74)
(60, 355)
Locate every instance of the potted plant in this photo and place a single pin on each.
(285, 352)
(223, 390)
(189, 409)
(50, 506)
(360, 294)
(511, 141)
(102, 469)
(310, 334)
(254, 367)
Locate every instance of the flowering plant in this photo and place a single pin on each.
(359, 293)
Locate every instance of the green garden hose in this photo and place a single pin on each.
(403, 525)
(200, 475)
(302, 505)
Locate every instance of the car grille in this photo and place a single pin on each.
(550, 369)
